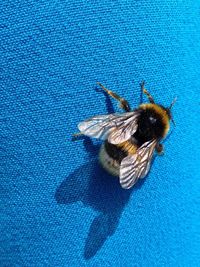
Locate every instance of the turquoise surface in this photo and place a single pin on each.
(58, 207)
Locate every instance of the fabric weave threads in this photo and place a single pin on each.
(58, 207)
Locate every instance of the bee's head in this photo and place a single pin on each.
(151, 100)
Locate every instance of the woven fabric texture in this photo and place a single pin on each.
(58, 207)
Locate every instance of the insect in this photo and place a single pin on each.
(130, 138)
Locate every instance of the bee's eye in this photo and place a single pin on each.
(152, 120)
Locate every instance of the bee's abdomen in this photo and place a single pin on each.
(115, 151)
(110, 155)
(110, 164)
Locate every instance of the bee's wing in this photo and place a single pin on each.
(136, 166)
(117, 128)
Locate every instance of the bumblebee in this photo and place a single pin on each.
(130, 138)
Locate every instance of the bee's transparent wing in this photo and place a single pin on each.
(117, 128)
(136, 166)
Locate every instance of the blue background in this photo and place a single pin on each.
(58, 207)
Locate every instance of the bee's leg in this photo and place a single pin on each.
(160, 149)
(146, 93)
(76, 136)
(122, 102)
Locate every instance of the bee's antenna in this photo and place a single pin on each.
(173, 121)
(170, 107)
(173, 102)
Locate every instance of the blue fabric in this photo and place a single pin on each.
(58, 207)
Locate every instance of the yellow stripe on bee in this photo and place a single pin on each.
(128, 147)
